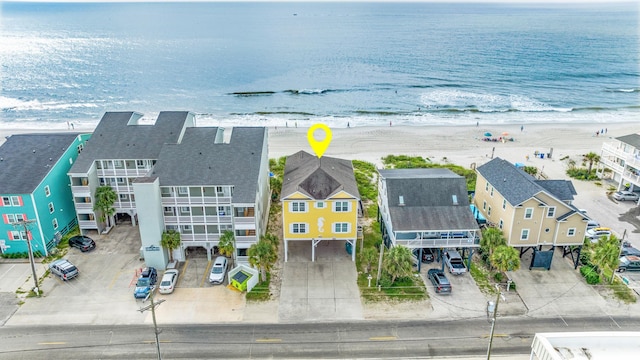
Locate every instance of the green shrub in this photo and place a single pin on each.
(585, 258)
(582, 174)
(498, 277)
(590, 274)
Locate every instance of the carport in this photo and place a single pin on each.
(349, 246)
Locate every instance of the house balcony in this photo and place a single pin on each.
(614, 166)
(246, 240)
(123, 172)
(87, 224)
(446, 240)
(84, 206)
(629, 158)
(628, 176)
(198, 219)
(244, 220)
(200, 200)
(81, 191)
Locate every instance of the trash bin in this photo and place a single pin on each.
(348, 246)
(541, 155)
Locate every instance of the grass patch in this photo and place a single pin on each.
(406, 289)
(32, 294)
(366, 178)
(622, 292)
(260, 292)
(481, 276)
(418, 162)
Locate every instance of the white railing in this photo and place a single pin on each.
(246, 239)
(635, 179)
(84, 206)
(612, 164)
(80, 190)
(87, 224)
(199, 200)
(440, 243)
(244, 220)
(629, 158)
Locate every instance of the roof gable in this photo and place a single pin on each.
(319, 178)
(514, 184)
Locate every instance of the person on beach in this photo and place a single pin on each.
(389, 123)
(72, 127)
(521, 128)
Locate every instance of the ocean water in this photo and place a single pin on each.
(283, 64)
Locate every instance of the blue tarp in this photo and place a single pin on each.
(477, 214)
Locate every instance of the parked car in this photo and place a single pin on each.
(64, 269)
(428, 255)
(218, 270)
(453, 260)
(629, 250)
(592, 224)
(596, 233)
(440, 282)
(629, 263)
(626, 195)
(169, 281)
(146, 283)
(84, 243)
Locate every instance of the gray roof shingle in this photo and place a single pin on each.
(514, 184)
(631, 139)
(434, 199)
(26, 159)
(318, 178)
(562, 189)
(117, 136)
(198, 161)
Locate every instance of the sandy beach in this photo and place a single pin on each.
(461, 145)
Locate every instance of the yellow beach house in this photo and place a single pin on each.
(320, 201)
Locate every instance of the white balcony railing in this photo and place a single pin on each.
(629, 158)
(244, 220)
(87, 224)
(197, 200)
(84, 206)
(81, 190)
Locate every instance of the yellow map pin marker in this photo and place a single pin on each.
(319, 147)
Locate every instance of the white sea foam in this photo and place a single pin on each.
(11, 104)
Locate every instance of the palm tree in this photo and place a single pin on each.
(491, 239)
(369, 256)
(227, 245)
(170, 241)
(505, 258)
(262, 255)
(591, 158)
(274, 240)
(606, 253)
(397, 262)
(105, 197)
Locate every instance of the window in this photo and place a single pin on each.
(571, 232)
(486, 187)
(454, 199)
(341, 227)
(183, 190)
(80, 148)
(15, 235)
(185, 210)
(500, 224)
(524, 235)
(16, 201)
(51, 208)
(124, 197)
(319, 204)
(120, 181)
(118, 164)
(489, 211)
(484, 205)
(299, 228)
(551, 212)
(528, 213)
(6, 201)
(219, 191)
(169, 211)
(341, 206)
(47, 191)
(21, 217)
(140, 164)
(186, 229)
(55, 224)
(298, 206)
(492, 191)
(504, 204)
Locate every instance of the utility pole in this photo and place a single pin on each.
(493, 320)
(24, 225)
(152, 307)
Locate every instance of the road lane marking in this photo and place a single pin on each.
(269, 340)
(113, 281)
(383, 338)
(485, 336)
(619, 327)
(52, 343)
(204, 277)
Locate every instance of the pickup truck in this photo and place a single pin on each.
(454, 262)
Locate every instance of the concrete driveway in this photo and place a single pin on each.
(324, 290)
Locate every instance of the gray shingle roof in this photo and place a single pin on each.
(114, 138)
(514, 184)
(198, 160)
(318, 178)
(428, 197)
(631, 139)
(26, 159)
(517, 186)
(562, 189)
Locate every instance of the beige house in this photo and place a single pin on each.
(530, 212)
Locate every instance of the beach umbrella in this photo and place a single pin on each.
(505, 133)
(487, 134)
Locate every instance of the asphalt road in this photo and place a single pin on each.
(356, 340)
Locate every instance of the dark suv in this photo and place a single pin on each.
(440, 281)
(629, 263)
(146, 283)
(64, 269)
